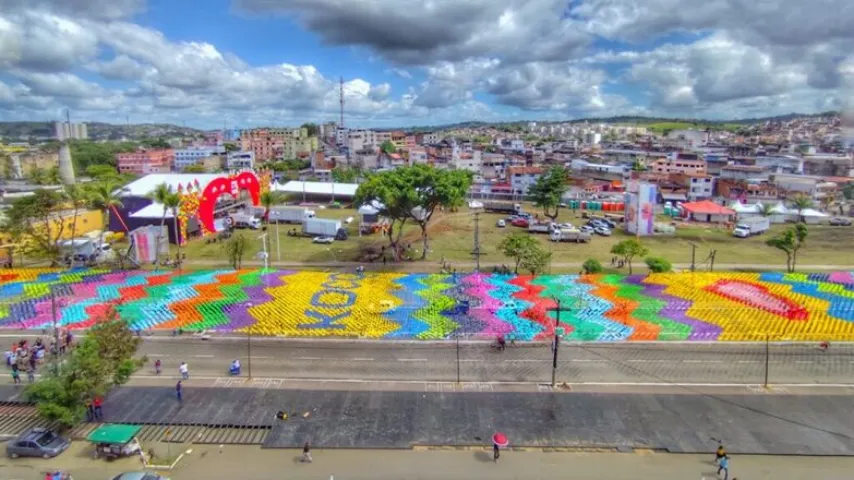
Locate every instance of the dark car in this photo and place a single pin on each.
(37, 442)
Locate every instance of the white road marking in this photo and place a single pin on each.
(748, 361)
(309, 358)
(361, 359)
(584, 360)
(203, 356)
(527, 360)
(411, 359)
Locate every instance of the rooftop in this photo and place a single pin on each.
(317, 188)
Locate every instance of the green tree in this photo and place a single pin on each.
(766, 209)
(86, 153)
(591, 265)
(231, 147)
(414, 193)
(103, 197)
(76, 195)
(195, 168)
(157, 143)
(173, 203)
(548, 189)
(103, 359)
(52, 176)
(535, 260)
(516, 246)
(159, 195)
(37, 176)
(658, 265)
(388, 147)
(312, 128)
(790, 241)
(101, 171)
(800, 203)
(33, 219)
(628, 249)
(638, 166)
(268, 199)
(848, 191)
(346, 174)
(235, 247)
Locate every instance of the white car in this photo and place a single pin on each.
(501, 224)
(587, 229)
(604, 231)
(322, 240)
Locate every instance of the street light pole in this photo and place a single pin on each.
(249, 344)
(53, 313)
(556, 343)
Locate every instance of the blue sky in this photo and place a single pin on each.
(413, 62)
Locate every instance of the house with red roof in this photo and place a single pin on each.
(707, 211)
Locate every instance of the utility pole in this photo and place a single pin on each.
(693, 256)
(556, 343)
(341, 99)
(712, 260)
(476, 251)
(53, 312)
(249, 344)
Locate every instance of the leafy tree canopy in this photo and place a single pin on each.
(516, 246)
(628, 249)
(548, 189)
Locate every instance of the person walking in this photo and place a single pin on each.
(16, 374)
(723, 466)
(184, 370)
(157, 366)
(98, 404)
(178, 392)
(495, 452)
(306, 453)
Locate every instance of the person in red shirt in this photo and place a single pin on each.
(97, 403)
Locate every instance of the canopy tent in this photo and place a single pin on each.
(812, 216)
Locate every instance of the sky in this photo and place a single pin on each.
(244, 63)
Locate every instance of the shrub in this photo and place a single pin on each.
(591, 265)
(658, 265)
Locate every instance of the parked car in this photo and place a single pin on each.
(587, 229)
(322, 240)
(37, 442)
(520, 222)
(501, 224)
(840, 221)
(605, 232)
(139, 476)
(565, 225)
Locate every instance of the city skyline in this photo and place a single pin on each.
(273, 62)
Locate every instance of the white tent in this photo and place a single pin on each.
(812, 216)
(743, 211)
(779, 213)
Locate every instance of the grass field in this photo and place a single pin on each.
(452, 237)
(661, 127)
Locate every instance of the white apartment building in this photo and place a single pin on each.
(193, 155)
(341, 135)
(358, 140)
(430, 138)
(471, 161)
(701, 188)
(592, 138)
(240, 160)
(71, 131)
(523, 177)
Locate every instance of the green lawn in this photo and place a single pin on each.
(452, 237)
(661, 127)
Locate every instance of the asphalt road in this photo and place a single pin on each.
(655, 363)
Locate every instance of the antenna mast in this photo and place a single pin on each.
(341, 99)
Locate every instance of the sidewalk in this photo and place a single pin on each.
(246, 462)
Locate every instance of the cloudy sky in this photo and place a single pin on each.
(244, 63)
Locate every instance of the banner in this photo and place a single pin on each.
(145, 243)
(640, 209)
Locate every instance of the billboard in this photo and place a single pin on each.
(640, 209)
(144, 241)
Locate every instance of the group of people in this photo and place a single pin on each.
(25, 357)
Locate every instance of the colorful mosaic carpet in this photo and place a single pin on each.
(699, 306)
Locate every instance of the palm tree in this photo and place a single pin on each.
(173, 203)
(766, 209)
(800, 203)
(102, 196)
(159, 195)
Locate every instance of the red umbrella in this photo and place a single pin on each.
(500, 439)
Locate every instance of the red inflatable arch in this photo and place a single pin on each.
(226, 186)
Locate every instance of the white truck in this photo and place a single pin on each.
(86, 251)
(501, 207)
(747, 227)
(289, 214)
(569, 235)
(540, 228)
(245, 220)
(323, 227)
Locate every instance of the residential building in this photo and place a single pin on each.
(144, 162)
(689, 138)
(409, 141)
(213, 163)
(240, 160)
(358, 140)
(468, 161)
(262, 142)
(829, 165)
(398, 138)
(341, 134)
(744, 172)
(700, 187)
(298, 147)
(679, 162)
(523, 177)
(812, 186)
(382, 137)
(417, 155)
(71, 131)
(781, 163)
(193, 155)
(593, 138)
(431, 138)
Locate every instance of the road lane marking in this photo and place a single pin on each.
(528, 360)
(203, 356)
(309, 358)
(411, 359)
(361, 359)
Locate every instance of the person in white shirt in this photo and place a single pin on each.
(184, 370)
